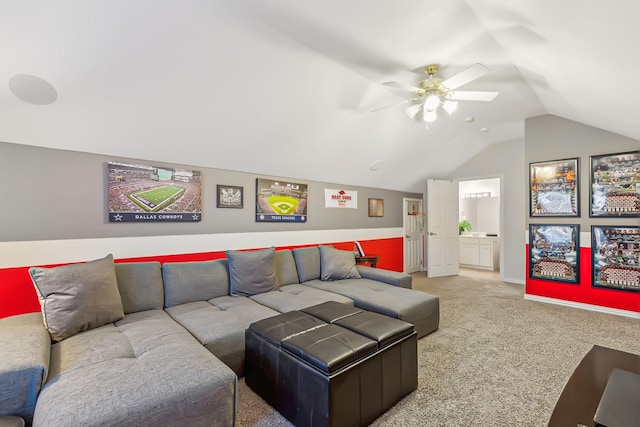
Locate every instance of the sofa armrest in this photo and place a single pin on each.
(25, 347)
(394, 278)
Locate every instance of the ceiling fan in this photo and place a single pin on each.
(434, 92)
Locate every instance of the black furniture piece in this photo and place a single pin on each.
(331, 364)
(582, 393)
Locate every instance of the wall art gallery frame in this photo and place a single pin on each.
(281, 201)
(615, 257)
(615, 185)
(553, 252)
(554, 188)
(146, 193)
(376, 207)
(229, 196)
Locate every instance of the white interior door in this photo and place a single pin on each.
(442, 228)
(413, 224)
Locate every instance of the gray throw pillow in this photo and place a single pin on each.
(78, 297)
(336, 264)
(251, 272)
(307, 263)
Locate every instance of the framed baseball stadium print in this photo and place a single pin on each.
(615, 185)
(554, 189)
(229, 196)
(144, 193)
(616, 256)
(553, 252)
(280, 201)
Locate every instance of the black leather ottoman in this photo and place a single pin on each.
(331, 364)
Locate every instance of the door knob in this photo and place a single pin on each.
(432, 234)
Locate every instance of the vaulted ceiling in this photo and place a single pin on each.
(286, 88)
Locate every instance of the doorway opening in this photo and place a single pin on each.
(480, 216)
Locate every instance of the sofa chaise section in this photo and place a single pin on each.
(381, 291)
(143, 370)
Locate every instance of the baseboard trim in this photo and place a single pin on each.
(511, 280)
(590, 307)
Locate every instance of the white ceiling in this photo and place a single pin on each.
(285, 87)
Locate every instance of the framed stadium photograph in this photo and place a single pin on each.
(615, 252)
(280, 201)
(229, 196)
(553, 252)
(376, 207)
(615, 185)
(554, 189)
(143, 193)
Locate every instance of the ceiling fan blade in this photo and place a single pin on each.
(403, 86)
(465, 76)
(391, 105)
(472, 95)
(412, 110)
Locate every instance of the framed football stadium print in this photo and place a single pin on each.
(229, 196)
(615, 185)
(554, 189)
(376, 207)
(143, 193)
(616, 256)
(553, 252)
(280, 201)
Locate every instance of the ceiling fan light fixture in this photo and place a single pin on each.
(432, 102)
(450, 106)
(430, 116)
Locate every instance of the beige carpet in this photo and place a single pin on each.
(496, 360)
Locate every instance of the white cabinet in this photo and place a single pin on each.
(479, 252)
(469, 251)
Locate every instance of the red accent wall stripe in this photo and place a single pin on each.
(17, 294)
(582, 292)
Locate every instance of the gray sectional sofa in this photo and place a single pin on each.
(148, 344)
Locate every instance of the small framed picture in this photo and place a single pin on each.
(615, 185)
(553, 252)
(554, 189)
(615, 250)
(230, 196)
(376, 207)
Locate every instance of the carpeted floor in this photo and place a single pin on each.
(496, 360)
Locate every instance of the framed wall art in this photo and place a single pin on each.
(553, 252)
(554, 189)
(615, 185)
(616, 256)
(280, 201)
(376, 207)
(144, 193)
(229, 196)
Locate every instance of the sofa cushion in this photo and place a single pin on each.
(296, 297)
(231, 316)
(140, 285)
(194, 281)
(336, 264)
(307, 263)
(78, 297)
(285, 267)
(251, 272)
(24, 360)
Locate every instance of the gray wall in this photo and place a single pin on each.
(507, 161)
(56, 194)
(553, 138)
